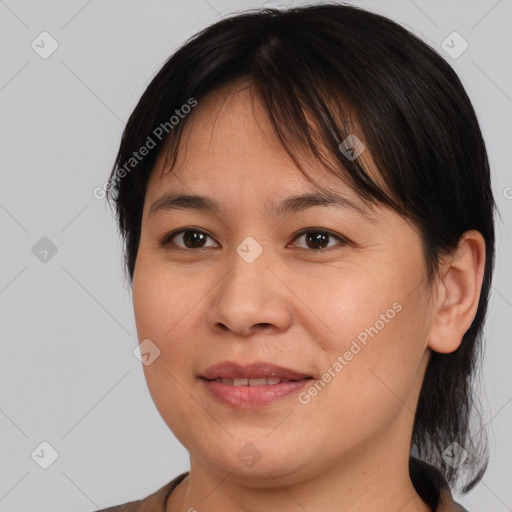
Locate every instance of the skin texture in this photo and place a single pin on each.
(296, 305)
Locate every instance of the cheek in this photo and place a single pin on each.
(378, 323)
(162, 300)
(375, 383)
(378, 364)
(167, 308)
(163, 308)
(349, 305)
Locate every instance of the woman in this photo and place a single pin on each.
(306, 206)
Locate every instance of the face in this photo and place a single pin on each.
(333, 292)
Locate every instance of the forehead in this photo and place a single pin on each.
(229, 149)
(229, 133)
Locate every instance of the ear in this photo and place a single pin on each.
(458, 293)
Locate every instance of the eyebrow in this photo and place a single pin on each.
(177, 201)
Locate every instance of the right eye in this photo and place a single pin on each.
(191, 239)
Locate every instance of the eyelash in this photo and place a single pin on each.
(166, 241)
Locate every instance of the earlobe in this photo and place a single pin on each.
(458, 293)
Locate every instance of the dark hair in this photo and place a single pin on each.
(342, 65)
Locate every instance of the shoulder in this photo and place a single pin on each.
(155, 502)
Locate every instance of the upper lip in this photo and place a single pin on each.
(255, 370)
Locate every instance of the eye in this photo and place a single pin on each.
(317, 238)
(191, 238)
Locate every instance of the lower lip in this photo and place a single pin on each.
(253, 397)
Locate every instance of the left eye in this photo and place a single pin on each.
(315, 239)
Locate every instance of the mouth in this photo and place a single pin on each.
(262, 381)
(252, 374)
(254, 385)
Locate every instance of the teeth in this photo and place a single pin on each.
(252, 382)
(258, 382)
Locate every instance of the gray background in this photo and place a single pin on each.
(68, 375)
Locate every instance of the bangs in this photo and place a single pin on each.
(310, 115)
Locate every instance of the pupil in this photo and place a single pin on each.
(318, 238)
(194, 237)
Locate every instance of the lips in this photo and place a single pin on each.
(253, 385)
(230, 372)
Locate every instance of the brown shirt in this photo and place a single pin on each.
(427, 480)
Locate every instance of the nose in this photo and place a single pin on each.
(250, 299)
